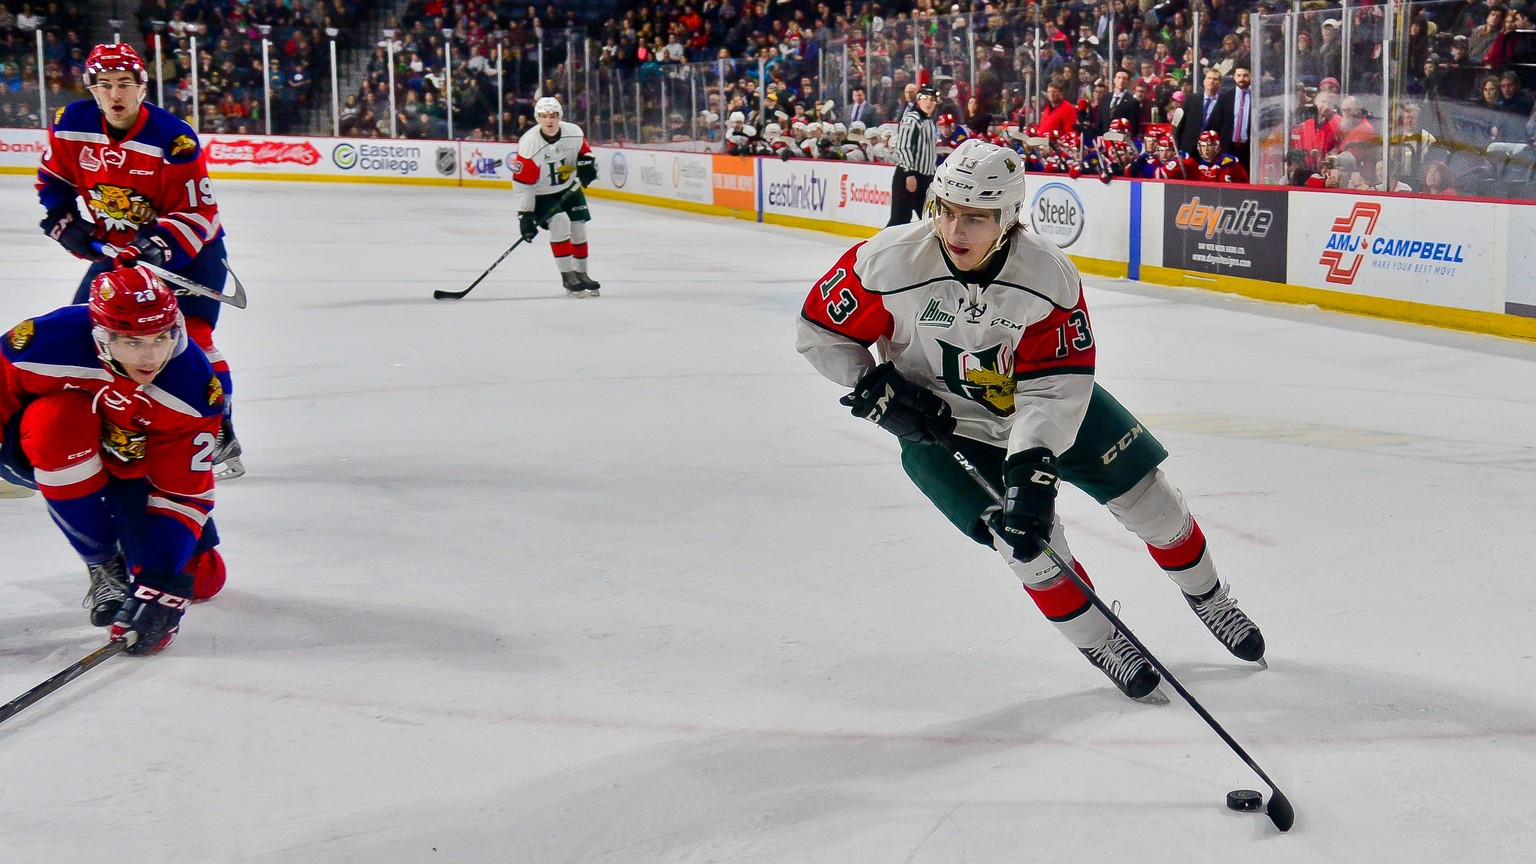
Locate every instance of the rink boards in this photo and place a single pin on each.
(1455, 264)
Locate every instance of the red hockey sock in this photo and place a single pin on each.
(1060, 600)
(1182, 555)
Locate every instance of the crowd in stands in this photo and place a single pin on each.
(1461, 110)
(230, 79)
(63, 25)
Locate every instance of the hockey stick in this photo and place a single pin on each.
(186, 285)
(1279, 811)
(70, 673)
(456, 295)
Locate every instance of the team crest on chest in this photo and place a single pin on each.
(984, 376)
(21, 334)
(119, 207)
(122, 443)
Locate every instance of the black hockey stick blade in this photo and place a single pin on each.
(1279, 810)
(455, 295)
(70, 673)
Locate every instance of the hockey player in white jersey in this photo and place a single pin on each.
(984, 339)
(551, 159)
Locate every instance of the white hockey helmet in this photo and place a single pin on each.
(548, 105)
(984, 176)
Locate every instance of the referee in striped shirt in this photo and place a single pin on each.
(917, 156)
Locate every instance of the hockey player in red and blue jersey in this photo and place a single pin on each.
(113, 415)
(1215, 166)
(141, 173)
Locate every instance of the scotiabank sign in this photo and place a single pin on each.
(222, 150)
(22, 148)
(1226, 229)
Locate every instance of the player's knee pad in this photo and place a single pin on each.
(207, 571)
(578, 232)
(1154, 510)
(560, 228)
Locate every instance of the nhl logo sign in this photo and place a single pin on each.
(447, 161)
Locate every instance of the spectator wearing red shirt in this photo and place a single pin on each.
(1058, 115)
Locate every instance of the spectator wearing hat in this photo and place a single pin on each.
(1330, 52)
(1460, 75)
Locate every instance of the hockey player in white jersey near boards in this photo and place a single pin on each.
(985, 340)
(552, 158)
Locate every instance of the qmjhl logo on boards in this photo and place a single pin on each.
(1353, 242)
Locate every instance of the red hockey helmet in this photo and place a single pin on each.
(946, 119)
(132, 301)
(138, 328)
(115, 57)
(1120, 124)
(1210, 136)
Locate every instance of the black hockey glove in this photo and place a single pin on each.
(527, 225)
(149, 619)
(146, 248)
(586, 169)
(1030, 479)
(898, 406)
(65, 226)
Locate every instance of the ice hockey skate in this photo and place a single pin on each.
(593, 286)
(1119, 659)
(108, 589)
(226, 456)
(575, 286)
(1218, 611)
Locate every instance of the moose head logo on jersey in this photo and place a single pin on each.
(119, 208)
(984, 376)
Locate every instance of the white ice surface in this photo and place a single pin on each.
(519, 578)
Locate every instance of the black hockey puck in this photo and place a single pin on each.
(1245, 800)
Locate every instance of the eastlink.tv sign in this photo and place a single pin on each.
(799, 192)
